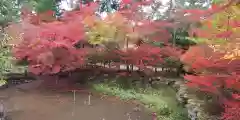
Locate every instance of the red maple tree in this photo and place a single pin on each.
(50, 46)
(216, 66)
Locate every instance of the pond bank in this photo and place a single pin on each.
(161, 101)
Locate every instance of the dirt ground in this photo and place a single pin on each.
(45, 105)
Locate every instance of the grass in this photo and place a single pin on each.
(159, 101)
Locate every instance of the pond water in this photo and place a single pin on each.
(46, 105)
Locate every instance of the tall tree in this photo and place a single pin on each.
(9, 12)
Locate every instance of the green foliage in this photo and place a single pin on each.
(184, 41)
(41, 6)
(2, 82)
(204, 40)
(155, 100)
(108, 5)
(5, 56)
(172, 62)
(45, 5)
(6, 59)
(9, 11)
(217, 1)
(159, 44)
(180, 37)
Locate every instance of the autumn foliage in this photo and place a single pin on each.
(51, 46)
(216, 59)
(81, 37)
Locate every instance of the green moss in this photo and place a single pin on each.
(155, 100)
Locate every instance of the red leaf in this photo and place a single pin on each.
(235, 23)
(225, 34)
(201, 80)
(126, 1)
(35, 69)
(56, 69)
(236, 96)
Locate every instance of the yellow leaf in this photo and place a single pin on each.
(3, 82)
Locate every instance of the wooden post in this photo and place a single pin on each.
(89, 98)
(74, 102)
